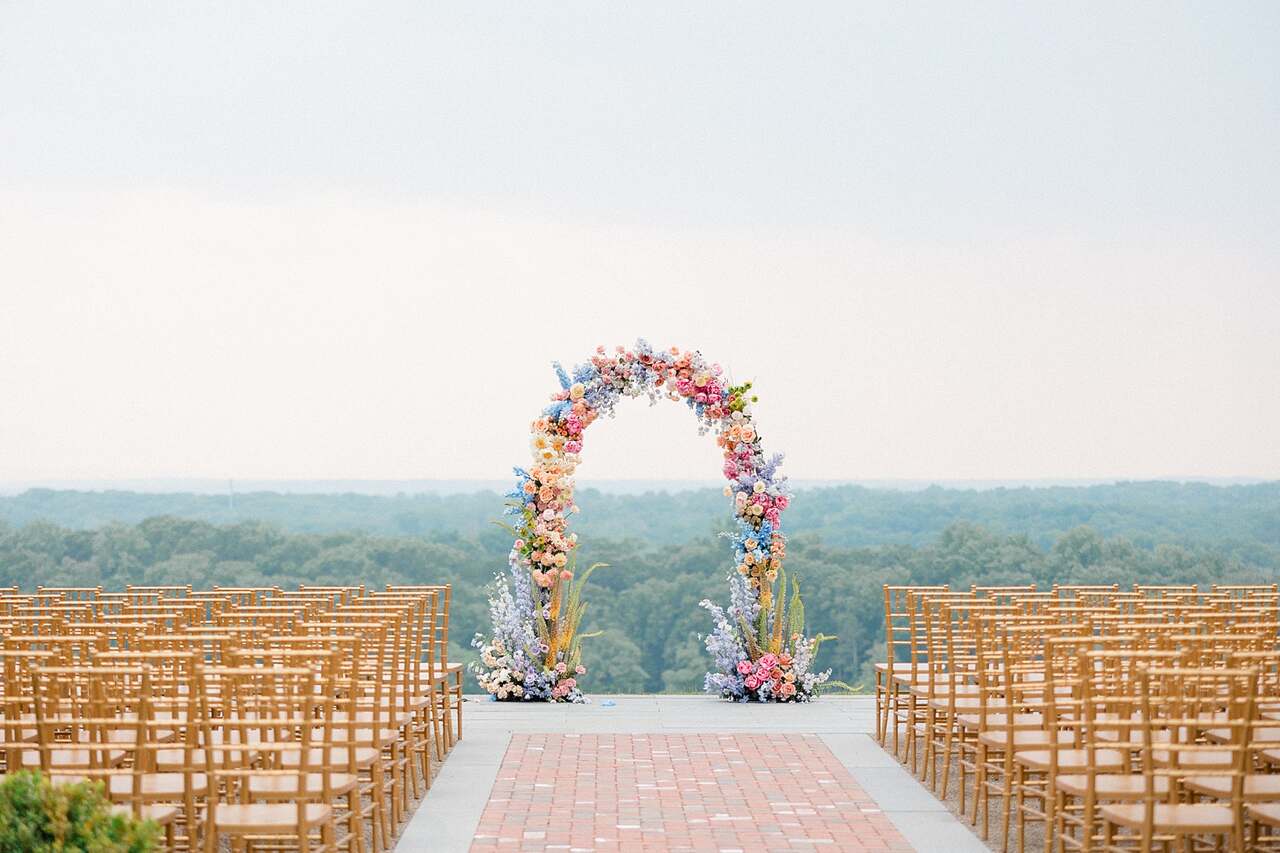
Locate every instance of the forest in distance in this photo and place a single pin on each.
(663, 549)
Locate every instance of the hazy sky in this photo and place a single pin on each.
(323, 240)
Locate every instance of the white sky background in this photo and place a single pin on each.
(319, 241)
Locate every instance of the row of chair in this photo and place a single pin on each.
(306, 719)
(1114, 719)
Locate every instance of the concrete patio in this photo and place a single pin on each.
(483, 794)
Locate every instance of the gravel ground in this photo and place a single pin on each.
(1035, 832)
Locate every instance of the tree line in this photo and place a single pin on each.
(646, 601)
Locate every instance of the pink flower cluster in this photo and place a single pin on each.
(563, 687)
(773, 671)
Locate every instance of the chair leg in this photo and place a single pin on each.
(1020, 785)
(928, 747)
(446, 716)
(327, 834)
(411, 752)
(894, 708)
(979, 786)
(436, 729)
(882, 706)
(382, 821)
(947, 745)
(355, 823)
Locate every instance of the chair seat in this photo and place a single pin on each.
(154, 785)
(1071, 759)
(160, 813)
(397, 717)
(1135, 736)
(1268, 813)
(1195, 759)
(898, 666)
(945, 689)
(1179, 819)
(1259, 735)
(1111, 786)
(973, 721)
(287, 786)
(967, 703)
(1257, 787)
(366, 735)
(267, 818)
(337, 755)
(70, 758)
(1025, 737)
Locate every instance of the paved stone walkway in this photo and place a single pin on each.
(675, 792)
(604, 771)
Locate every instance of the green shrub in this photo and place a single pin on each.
(37, 816)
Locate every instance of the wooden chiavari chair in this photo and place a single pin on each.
(898, 658)
(1176, 702)
(92, 724)
(1110, 709)
(268, 728)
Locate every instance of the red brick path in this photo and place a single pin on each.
(738, 792)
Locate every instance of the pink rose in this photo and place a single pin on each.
(580, 669)
(561, 666)
(782, 501)
(752, 682)
(744, 667)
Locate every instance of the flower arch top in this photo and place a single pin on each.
(593, 390)
(535, 651)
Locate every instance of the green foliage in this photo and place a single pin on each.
(39, 817)
(845, 542)
(795, 612)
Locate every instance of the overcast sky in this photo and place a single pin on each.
(313, 240)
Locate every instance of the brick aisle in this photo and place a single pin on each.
(723, 792)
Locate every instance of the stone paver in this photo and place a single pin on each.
(451, 815)
(714, 792)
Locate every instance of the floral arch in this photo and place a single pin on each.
(758, 642)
